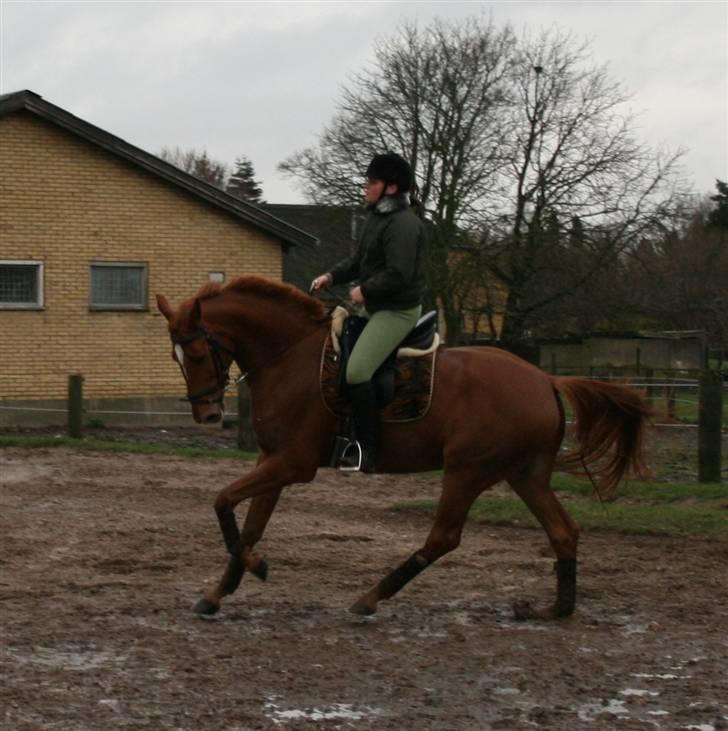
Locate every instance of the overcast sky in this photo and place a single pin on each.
(261, 79)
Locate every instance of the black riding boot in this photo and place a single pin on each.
(367, 419)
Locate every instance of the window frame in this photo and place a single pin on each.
(39, 304)
(141, 307)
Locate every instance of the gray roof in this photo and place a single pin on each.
(28, 101)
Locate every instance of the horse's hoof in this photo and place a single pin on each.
(362, 608)
(561, 612)
(260, 569)
(205, 607)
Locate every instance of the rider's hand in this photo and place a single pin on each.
(357, 297)
(321, 282)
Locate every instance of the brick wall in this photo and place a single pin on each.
(65, 202)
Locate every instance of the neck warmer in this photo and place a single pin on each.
(391, 204)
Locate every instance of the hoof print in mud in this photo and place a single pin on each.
(523, 610)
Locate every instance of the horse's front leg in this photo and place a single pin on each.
(264, 486)
(240, 550)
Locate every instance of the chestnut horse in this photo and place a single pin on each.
(492, 417)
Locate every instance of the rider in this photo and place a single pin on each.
(390, 265)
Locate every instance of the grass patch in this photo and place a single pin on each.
(97, 445)
(675, 508)
(640, 508)
(651, 492)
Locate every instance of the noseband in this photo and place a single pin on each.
(221, 370)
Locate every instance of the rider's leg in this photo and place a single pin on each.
(382, 334)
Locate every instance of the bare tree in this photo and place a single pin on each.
(511, 141)
(434, 95)
(680, 281)
(198, 164)
(573, 156)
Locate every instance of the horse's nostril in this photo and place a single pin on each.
(212, 418)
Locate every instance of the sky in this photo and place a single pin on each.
(262, 79)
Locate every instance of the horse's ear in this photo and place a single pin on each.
(163, 306)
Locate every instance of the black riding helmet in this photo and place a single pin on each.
(390, 167)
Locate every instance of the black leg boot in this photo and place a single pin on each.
(367, 419)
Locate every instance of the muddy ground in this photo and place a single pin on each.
(102, 556)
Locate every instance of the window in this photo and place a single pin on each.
(216, 277)
(121, 286)
(21, 285)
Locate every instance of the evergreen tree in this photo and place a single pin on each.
(718, 217)
(242, 183)
(577, 234)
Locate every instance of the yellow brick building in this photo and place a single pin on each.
(480, 298)
(90, 229)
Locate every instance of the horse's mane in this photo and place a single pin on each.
(268, 289)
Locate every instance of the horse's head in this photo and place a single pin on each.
(203, 360)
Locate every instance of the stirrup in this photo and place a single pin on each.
(357, 456)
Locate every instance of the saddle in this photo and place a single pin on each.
(403, 382)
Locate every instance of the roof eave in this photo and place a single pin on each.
(31, 102)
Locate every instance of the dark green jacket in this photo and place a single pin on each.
(391, 259)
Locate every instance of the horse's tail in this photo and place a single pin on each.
(610, 429)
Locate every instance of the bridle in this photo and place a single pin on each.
(222, 371)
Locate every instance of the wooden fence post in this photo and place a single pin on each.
(649, 376)
(670, 401)
(246, 437)
(75, 406)
(710, 417)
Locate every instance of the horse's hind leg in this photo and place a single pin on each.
(458, 494)
(534, 489)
